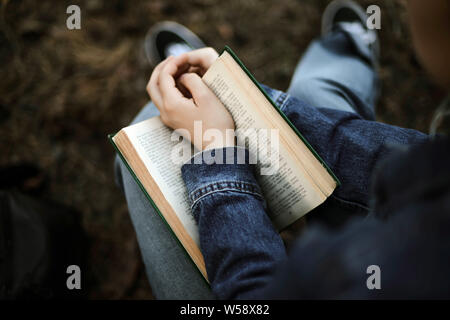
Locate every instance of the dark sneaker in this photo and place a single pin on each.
(169, 38)
(351, 17)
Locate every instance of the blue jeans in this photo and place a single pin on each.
(335, 72)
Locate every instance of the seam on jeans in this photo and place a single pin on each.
(220, 186)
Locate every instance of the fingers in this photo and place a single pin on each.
(202, 58)
(162, 86)
(152, 86)
(198, 89)
(167, 85)
(196, 70)
(197, 61)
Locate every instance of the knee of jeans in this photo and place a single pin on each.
(321, 93)
(118, 172)
(308, 90)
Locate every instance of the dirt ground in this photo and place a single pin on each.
(63, 91)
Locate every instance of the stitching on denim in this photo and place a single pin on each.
(279, 99)
(220, 186)
(197, 201)
(282, 99)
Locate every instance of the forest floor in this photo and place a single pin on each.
(62, 91)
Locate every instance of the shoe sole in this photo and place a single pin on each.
(152, 54)
(334, 7)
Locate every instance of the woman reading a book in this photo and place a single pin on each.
(392, 210)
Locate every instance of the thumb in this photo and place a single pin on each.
(198, 89)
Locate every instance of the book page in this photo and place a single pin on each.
(152, 141)
(289, 193)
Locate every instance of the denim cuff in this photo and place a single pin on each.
(219, 170)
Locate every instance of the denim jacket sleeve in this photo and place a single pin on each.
(350, 145)
(239, 244)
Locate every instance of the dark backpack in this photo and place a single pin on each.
(39, 239)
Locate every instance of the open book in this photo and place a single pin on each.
(300, 182)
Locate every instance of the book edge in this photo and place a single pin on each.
(122, 158)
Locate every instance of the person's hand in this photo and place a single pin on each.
(183, 98)
(196, 61)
